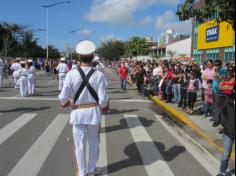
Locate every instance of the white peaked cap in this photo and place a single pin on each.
(63, 59)
(30, 61)
(85, 48)
(17, 59)
(96, 59)
(22, 62)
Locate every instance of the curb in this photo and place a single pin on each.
(180, 116)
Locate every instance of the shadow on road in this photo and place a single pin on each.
(135, 159)
(123, 124)
(26, 109)
(120, 111)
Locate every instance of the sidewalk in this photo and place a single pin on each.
(199, 125)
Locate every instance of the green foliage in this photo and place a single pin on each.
(224, 8)
(111, 50)
(19, 41)
(136, 46)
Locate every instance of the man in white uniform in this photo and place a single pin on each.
(62, 70)
(23, 79)
(98, 64)
(74, 65)
(1, 71)
(31, 77)
(15, 67)
(85, 90)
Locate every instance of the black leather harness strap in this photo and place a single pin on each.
(87, 85)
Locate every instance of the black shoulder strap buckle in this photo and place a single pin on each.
(86, 84)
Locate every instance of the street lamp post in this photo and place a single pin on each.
(47, 21)
(71, 38)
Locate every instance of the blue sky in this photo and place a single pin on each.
(101, 19)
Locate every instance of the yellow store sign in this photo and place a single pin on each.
(214, 35)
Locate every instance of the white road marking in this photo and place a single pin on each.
(31, 163)
(56, 99)
(151, 156)
(14, 126)
(102, 162)
(207, 160)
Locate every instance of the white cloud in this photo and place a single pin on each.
(85, 32)
(107, 38)
(145, 21)
(119, 11)
(169, 21)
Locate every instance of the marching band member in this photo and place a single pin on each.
(85, 91)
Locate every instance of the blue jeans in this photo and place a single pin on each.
(228, 147)
(123, 83)
(168, 90)
(177, 93)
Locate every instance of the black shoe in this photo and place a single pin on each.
(221, 174)
(215, 124)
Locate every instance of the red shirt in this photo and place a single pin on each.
(169, 75)
(230, 83)
(123, 73)
(209, 96)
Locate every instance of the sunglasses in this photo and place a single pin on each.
(230, 69)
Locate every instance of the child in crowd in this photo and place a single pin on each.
(193, 87)
(184, 91)
(208, 99)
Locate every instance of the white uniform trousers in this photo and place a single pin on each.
(31, 84)
(16, 81)
(82, 134)
(23, 81)
(62, 77)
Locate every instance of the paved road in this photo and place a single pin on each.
(36, 139)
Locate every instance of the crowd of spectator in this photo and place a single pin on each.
(183, 83)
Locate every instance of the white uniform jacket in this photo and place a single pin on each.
(15, 67)
(62, 68)
(73, 81)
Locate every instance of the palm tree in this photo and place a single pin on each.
(136, 46)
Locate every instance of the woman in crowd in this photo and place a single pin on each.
(227, 87)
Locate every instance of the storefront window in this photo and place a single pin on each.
(213, 54)
(230, 54)
(198, 56)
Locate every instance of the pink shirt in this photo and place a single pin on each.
(210, 74)
(191, 85)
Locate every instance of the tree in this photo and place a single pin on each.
(19, 41)
(136, 46)
(225, 9)
(112, 50)
(54, 53)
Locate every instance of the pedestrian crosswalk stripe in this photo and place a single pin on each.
(14, 126)
(31, 163)
(152, 158)
(102, 162)
(207, 160)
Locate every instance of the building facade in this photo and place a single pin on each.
(181, 48)
(212, 40)
(166, 38)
